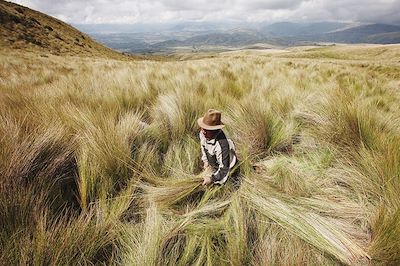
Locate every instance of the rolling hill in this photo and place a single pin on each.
(24, 28)
(204, 37)
(296, 29)
(372, 33)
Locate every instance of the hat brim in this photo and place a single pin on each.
(202, 125)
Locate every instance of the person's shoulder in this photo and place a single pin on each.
(222, 137)
(201, 136)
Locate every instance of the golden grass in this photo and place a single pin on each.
(99, 159)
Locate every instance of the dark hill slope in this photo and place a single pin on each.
(366, 34)
(24, 28)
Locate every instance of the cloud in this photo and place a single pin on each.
(270, 5)
(153, 11)
(383, 11)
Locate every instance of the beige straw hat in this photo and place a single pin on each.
(211, 120)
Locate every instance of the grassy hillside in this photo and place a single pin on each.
(99, 159)
(30, 30)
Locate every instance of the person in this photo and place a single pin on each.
(218, 151)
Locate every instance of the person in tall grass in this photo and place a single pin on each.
(218, 151)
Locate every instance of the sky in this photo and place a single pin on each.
(162, 11)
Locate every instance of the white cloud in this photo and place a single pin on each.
(150, 11)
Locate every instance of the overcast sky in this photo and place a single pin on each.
(154, 11)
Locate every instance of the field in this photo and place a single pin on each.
(100, 159)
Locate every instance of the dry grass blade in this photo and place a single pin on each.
(172, 192)
(312, 228)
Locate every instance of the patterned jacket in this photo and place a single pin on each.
(220, 154)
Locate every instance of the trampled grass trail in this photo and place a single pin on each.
(100, 159)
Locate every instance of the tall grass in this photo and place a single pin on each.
(312, 228)
(100, 160)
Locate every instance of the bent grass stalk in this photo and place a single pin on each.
(79, 122)
(172, 192)
(310, 227)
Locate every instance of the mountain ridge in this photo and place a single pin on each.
(284, 34)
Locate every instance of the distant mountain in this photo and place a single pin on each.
(122, 28)
(363, 34)
(122, 42)
(162, 27)
(228, 40)
(199, 36)
(382, 38)
(24, 28)
(371, 33)
(285, 29)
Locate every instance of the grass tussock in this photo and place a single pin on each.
(173, 192)
(310, 227)
(100, 160)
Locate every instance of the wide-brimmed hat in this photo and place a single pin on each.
(211, 120)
